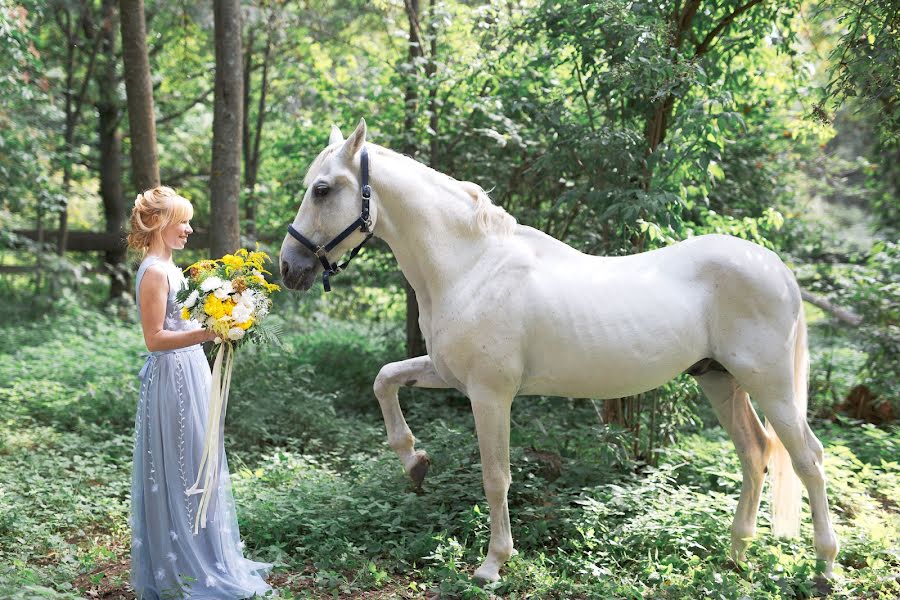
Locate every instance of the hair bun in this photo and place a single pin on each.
(153, 211)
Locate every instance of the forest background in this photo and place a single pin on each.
(616, 126)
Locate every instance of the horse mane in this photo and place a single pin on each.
(488, 218)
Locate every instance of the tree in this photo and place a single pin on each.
(71, 23)
(253, 136)
(225, 179)
(139, 89)
(415, 343)
(110, 146)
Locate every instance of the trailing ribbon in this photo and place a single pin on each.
(218, 400)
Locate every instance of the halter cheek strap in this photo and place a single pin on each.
(363, 222)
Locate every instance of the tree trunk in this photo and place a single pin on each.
(139, 89)
(411, 98)
(252, 137)
(74, 98)
(110, 142)
(415, 344)
(431, 72)
(225, 179)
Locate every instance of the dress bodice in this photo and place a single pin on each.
(173, 320)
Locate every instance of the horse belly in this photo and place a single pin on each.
(599, 345)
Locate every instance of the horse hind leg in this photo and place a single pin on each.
(415, 372)
(807, 458)
(735, 413)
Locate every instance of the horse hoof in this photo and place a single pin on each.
(484, 576)
(420, 469)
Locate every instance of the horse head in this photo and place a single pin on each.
(335, 214)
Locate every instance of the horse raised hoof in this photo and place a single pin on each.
(420, 468)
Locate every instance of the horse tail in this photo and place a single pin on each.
(787, 491)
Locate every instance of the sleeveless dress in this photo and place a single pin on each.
(167, 559)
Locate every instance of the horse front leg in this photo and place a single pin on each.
(415, 372)
(492, 413)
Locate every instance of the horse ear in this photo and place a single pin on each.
(355, 141)
(336, 137)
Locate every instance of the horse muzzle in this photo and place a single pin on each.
(298, 270)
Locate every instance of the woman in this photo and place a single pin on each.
(167, 559)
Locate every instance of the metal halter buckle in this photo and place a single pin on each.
(321, 252)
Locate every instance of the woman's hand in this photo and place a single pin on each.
(208, 335)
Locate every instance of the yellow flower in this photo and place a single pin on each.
(272, 287)
(214, 307)
(235, 262)
(185, 314)
(246, 324)
(228, 306)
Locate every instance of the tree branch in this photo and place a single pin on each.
(185, 108)
(720, 27)
(841, 314)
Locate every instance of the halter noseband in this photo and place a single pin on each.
(363, 222)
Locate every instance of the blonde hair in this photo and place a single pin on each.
(154, 210)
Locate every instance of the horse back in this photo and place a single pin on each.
(556, 321)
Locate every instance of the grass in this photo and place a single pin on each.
(321, 495)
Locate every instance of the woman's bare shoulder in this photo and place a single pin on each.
(155, 275)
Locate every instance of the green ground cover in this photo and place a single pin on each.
(322, 495)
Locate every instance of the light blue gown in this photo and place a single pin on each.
(167, 559)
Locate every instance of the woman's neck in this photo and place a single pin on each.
(163, 252)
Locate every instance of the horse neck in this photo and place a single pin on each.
(427, 220)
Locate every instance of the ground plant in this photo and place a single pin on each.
(322, 496)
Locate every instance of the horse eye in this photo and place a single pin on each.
(321, 190)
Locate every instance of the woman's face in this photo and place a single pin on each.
(175, 235)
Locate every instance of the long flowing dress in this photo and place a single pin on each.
(167, 559)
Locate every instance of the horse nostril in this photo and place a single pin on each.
(284, 268)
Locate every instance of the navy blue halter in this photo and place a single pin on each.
(363, 222)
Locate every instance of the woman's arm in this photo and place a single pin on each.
(154, 291)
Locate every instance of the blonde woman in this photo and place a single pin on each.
(168, 560)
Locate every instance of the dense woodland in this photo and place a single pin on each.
(616, 126)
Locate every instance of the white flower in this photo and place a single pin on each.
(218, 340)
(220, 566)
(224, 290)
(160, 574)
(191, 300)
(171, 556)
(235, 333)
(240, 313)
(137, 542)
(154, 488)
(210, 581)
(247, 298)
(173, 535)
(210, 283)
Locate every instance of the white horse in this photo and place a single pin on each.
(508, 311)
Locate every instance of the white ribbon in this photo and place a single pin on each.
(218, 401)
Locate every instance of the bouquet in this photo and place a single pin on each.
(229, 296)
